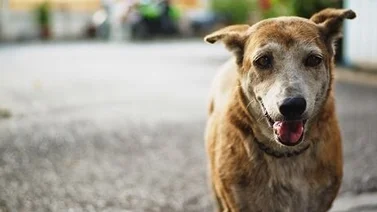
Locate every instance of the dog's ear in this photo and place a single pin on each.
(234, 38)
(330, 22)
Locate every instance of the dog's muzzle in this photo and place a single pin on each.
(290, 130)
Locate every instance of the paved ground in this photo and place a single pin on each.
(119, 127)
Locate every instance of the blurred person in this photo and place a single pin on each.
(130, 12)
(105, 14)
(115, 22)
(129, 16)
(118, 11)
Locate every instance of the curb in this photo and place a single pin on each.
(355, 77)
(366, 202)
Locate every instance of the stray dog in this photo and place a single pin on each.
(272, 135)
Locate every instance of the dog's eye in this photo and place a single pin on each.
(313, 61)
(264, 62)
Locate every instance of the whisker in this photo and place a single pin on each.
(247, 106)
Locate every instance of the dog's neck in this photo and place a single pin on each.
(242, 119)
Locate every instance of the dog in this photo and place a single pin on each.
(272, 135)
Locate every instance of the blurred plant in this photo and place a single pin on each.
(237, 11)
(240, 10)
(43, 19)
(274, 8)
(303, 8)
(306, 8)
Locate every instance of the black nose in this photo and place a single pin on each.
(292, 107)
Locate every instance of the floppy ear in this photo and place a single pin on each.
(234, 38)
(330, 22)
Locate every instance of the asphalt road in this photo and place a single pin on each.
(119, 127)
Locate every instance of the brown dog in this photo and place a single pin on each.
(272, 135)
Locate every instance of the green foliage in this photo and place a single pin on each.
(237, 10)
(43, 14)
(150, 11)
(153, 11)
(306, 8)
(175, 13)
(279, 8)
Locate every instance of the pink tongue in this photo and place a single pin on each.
(289, 132)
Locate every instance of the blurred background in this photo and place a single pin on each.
(103, 102)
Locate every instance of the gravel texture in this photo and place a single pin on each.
(119, 127)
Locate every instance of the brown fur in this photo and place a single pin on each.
(244, 176)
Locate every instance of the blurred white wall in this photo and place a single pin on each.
(360, 34)
(18, 25)
(21, 24)
(70, 24)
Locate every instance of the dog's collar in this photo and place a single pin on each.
(277, 154)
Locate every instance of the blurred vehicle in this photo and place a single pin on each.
(155, 18)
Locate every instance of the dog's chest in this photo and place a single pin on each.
(283, 186)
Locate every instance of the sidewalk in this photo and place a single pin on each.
(356, 77)
(366, 202)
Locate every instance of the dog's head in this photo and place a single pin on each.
(285, 68)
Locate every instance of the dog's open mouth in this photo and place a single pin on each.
(287, 132)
